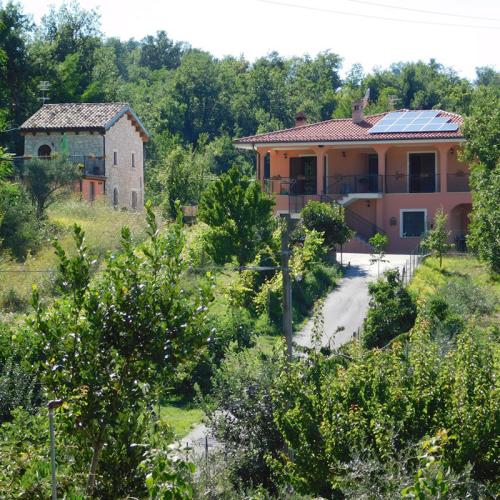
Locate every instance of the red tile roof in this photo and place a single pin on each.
(345, 130)
(80, 116)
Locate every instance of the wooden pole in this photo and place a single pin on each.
(287, 285)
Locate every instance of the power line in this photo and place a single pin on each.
(433, 12)
(381, 18)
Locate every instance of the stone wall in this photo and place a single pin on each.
(124, 139)
(83, 143)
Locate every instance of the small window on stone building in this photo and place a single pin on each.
(91, 192)
(134, 200)
(44, 151)
(115, 158)
(115, 197)
(133, 160)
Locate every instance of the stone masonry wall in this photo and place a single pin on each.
(83, 143)
(123, 138)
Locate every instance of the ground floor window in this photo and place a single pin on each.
(413, 223)
(134, 200)
(115, 197)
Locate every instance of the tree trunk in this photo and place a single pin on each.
(95, 460)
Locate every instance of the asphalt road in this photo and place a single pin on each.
(345, 308)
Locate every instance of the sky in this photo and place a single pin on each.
(253, 28)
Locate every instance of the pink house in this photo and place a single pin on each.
(391, 172)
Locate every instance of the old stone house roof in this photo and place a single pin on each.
(81, 117)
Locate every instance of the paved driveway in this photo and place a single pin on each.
(345, 308)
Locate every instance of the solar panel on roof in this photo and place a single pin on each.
(413, 121)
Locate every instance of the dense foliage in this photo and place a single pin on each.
(239, 216)
(392, 311)
(482, 131)
(327, 219)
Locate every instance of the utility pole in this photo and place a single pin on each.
(55, 403)
(287, 285)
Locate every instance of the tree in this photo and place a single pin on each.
(239, 215)
(328, 219)
(46, 180)
(105, 343)
(482, 131)
(378, 243)
(436, 239)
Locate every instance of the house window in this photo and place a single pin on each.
(133, 160)
(92, 192)
(422, 173)
(115, 158)
(44, 151)
(413, 223)
(115, 197)
(134, 200)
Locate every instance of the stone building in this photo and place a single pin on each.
(106, 138)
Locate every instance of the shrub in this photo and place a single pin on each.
(240, 414)
(377, 404)
(328, 219)
(392, 311)
(20, 231)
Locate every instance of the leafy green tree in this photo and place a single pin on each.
(481, 150)
(328, 219)
(392, 311)
(46, 180)
(239, 215)
(378, 244)
(105, 343)
(436, 239)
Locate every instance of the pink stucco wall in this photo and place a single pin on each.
(386, 211)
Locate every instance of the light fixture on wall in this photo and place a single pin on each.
(343, 154)
(285, 155)
(451, 151)
(368, 204)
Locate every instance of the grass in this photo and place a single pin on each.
(429, 277)
(181, 415)
(102, 225)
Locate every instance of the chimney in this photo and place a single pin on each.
(358, 108)
(358, 114)
(300, 119)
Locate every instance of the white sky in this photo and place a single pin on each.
(253, 28)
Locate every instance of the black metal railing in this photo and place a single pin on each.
(93, 166)
(411, 183)
(364, 228)
(458, 182)
(347, 184)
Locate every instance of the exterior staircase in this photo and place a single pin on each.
(363, 228)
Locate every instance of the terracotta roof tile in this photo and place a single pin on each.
(73, 116)
(340, 130)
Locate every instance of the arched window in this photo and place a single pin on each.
(44, 151)
(115, 197)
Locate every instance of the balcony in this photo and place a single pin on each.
(412, 183)
(458, 182)
(92, 166)
(354, 184)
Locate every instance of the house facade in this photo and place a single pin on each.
(107, 139)
(391, 172)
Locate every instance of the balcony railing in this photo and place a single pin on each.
(458, 183)
(347, 184)
(411, 183)
(93, 166)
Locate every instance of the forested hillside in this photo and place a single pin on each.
(185, 95)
